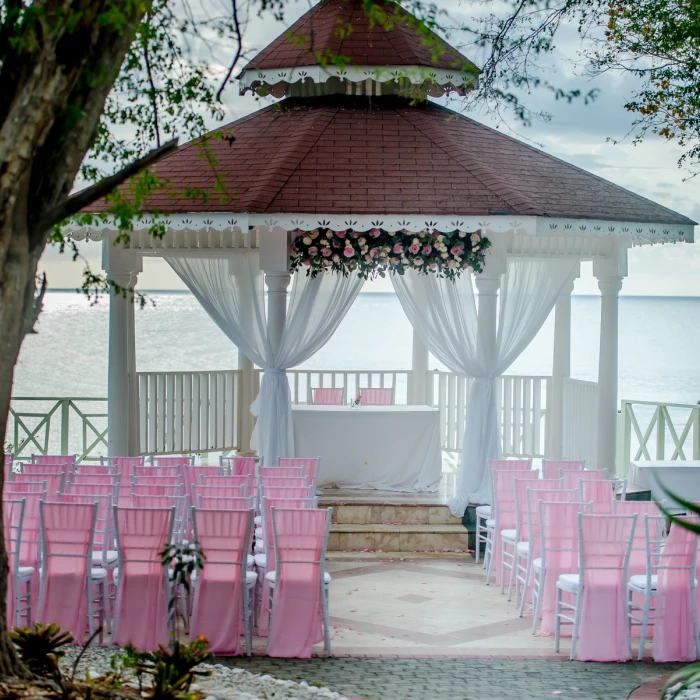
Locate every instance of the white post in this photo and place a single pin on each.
(487, 284)
(134, 441)
(277, 283)
(245, 398)
(118, 368)
(607, 372)
(561, 370)
(418, 379)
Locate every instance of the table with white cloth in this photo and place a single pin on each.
(393, 448)
(681, 477)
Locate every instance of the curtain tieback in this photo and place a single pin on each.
(278, 372)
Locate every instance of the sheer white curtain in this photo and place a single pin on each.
(444, 314)
(231, 290)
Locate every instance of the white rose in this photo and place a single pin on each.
(462, 234)
(417, 261)
(404, 261)
(440, 237)
(443, 255)
(306, 240)
(336, 258)
(362, 241)
(323, 241)
(452, 264)
(416, 241)
(475, 238)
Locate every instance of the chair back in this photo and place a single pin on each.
(171, 461)
(156, 502)
(238, 466)
(67, 532)
(222, 591)
(376, 397)
(287, 492)
(156, 490)
(225, 503)
(53, 468)
(559, 535)
(96, 470)
(300, 542)
(510, 464)
(605, 544)
(192, 474)
(570, 477)
(266, 511)
(282, 472)
(103, 540)
(54, 482)
(534, 495)
(12, 516)
(599, 492)
(156, 472)
(327, 397)
(522, 486)
(638, 556)
(224, 491)
(17, 488)
(503, 489)
(156, 480)
(29, 550)
(243, 481)
(551, 467)
(87, 478)
(310, 465)
(94, 488)
(141, 611)
(288, 481)
(54, 459)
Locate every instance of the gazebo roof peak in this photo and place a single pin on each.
(337, 47)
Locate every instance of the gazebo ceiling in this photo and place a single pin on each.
(342, 155)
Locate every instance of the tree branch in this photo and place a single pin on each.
(239, 48)
(73, 204)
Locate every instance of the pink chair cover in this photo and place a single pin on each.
(235, 480)
(224, 503)
(54, 459)
(12, 514)
(97, 469)
(503, 482)
(674, 638)
(228, 491)
(21, 487)
(242, 466)
(67, 531)
(268, 504)
(570, 477)
(104, 479)
(103, 489)
(124, 466)
(309, 465)
(297, 615)
(217, 613)
(45, 468)
(559, 549)
(522, 486)
(327, 397)
(281, 481)
(54, 482)
(376, 397)
(551, 467)
(599, 492)
(156, 480)
(172, 461)
(192, 474)
(141, 613)
(282, 472)
(604, 629)
(510, 464)
(287, 492)
(158, 471)
(156, 490)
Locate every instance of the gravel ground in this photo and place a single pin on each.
(225, 683)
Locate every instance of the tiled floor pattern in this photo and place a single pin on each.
(462, 679)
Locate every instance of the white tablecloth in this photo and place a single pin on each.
(679, 477)
(372, 447)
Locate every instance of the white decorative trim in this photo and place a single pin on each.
(234, 230)
(417, 75)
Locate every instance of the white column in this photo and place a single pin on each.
(134, 445)
(245, 398)
(487, 284)
(418, 379)
(561, 370)
(607, 372)
(118, 418)
(277, 283)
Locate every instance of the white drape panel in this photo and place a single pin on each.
(444, 315)
(231, 290)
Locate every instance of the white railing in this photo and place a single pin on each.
(188, 411)
(49, 425)
(522, 409)
(301, 381)
(657, 431)
(580, 424)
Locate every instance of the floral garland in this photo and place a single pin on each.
(373, 252)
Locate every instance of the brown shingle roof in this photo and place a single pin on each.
(365, 45)
(344, 155)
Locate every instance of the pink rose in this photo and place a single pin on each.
(368, 258)
(427, 249)
(349, 252)
(414, 248)
(326, 252)
(374, 252)
(417, 261)
(456, 250)
(326, 263)
(355, 234)
(307, 262)
(340, 234)
(375, 232)
(394, 261)
(398, 249)
(313, 250)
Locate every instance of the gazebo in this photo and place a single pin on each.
(351, 148)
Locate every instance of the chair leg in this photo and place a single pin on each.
(538, 602)
(528, 573)
(247, 619)
(326, 628)
(557, 620)
(513, 572)
(91, 606)
(694, 609)
(490, 546)
(645, 624)
(577, 619)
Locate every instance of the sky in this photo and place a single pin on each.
(580, 134)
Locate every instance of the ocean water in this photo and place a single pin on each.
(659, 341)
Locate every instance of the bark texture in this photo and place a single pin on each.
(55, 75)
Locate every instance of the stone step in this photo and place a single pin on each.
(397, 538)
(383, 514)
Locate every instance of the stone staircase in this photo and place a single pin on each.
(414, 527)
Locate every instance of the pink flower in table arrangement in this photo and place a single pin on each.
(368, 258)
(349, 252)
(398, 249)
(326, 252)
(307, 262)
(394, 261)
(374, 252)
(456, 250)
(452, 264)
(355, 234)
(340, 234)
(375, 232)
(418, 261)
(465, 265)
(427, 249)
(326, 263)
(414, 248)
(313, 250)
